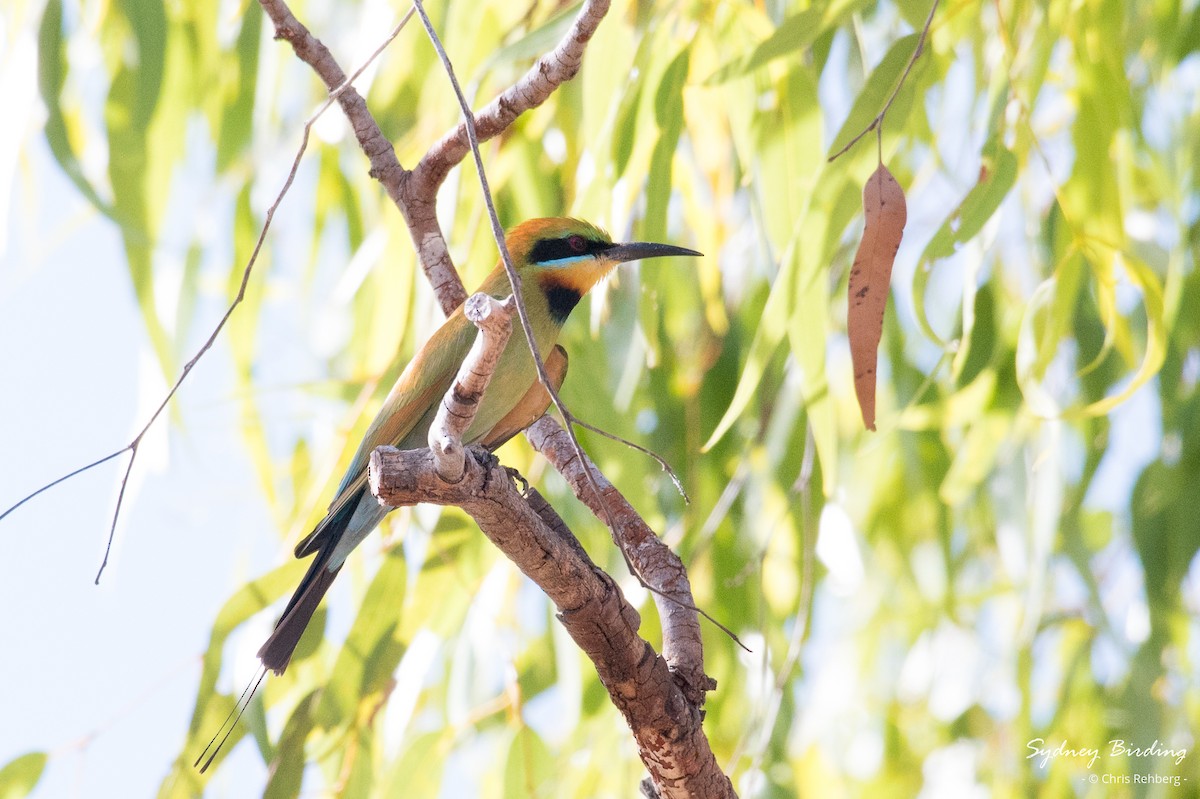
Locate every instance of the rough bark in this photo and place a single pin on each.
(660, 697)
(651, 558)
(665, 724)
(414, 191)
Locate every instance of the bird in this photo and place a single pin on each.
(558, 260)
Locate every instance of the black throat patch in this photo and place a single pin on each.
(561, 300)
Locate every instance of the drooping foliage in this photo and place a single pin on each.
(921, 601)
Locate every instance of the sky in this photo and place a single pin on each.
(103, 676)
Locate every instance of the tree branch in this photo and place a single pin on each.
(651, 559)
(493, 317)
(534, 88)
(385, 167)
(420, 186)
(419, 208)
(415, 192)
(666, 724)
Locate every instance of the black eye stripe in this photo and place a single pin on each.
(557, 249)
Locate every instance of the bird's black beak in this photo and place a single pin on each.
(637, 250)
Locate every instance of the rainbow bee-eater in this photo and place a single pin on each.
(559, 260)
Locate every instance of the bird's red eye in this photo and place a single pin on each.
(577, 243)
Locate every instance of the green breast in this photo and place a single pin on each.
(514, 374)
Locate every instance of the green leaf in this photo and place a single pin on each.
(797, 32)
(52, 71)
(1156, 336)
(370, 653)
(1165, 533)
(975, 458)
(364, 765)
(788, 164)
(287, 766)
(625, 128)
(20, 776)
(791, 166)
(241, 332)
(529, 771)
(1029, 366)
(1188, 35)
(536, 42)
(668, 112)
(997, 175)
(978, 342)
(136, 157)
(189, 291)
(241, 84)
(877, 91)
(1091, 197)
(806, 328)
(418, 770)
(770, 332)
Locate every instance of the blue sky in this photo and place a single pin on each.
(103, 677)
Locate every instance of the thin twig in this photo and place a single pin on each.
(132, 446)
(420, 186)
(660, 460)
(549, 72)
(505, 257)
(543, 378)
(67, 476)
(878, 120)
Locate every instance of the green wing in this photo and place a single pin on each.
(404, 419)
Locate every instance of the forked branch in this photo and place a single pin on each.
(651, 560)
(661, 704)
(666, 725)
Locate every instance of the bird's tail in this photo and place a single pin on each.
(276, 652)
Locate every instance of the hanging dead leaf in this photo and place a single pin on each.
(870, 279)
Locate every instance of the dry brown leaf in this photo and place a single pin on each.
(870, 279)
